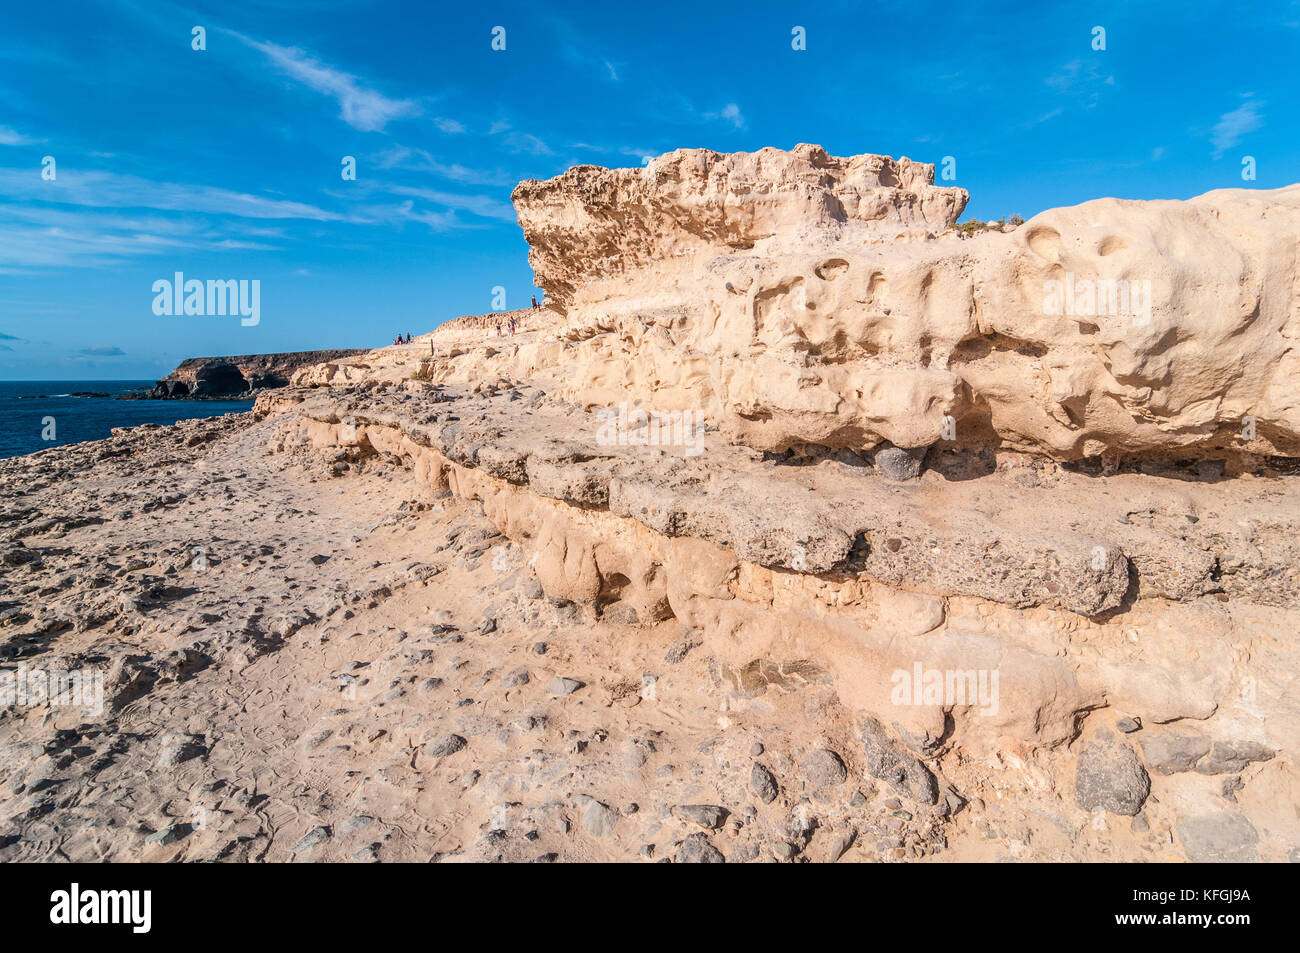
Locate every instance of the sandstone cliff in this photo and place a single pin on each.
(1085, 405)
(797, 523)
(802, 299)
(592, 231)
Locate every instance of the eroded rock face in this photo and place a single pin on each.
(797, 298)
(903, 627)
(593, 225)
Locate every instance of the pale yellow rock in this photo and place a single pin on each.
(800, 298)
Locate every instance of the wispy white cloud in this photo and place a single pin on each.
(400, 213)
(1232, 126)
(95, 218)
(421, 160)
(234, 244)
(581, 50)
(676, 108)
(527, 142)
(24, 246)
(728, 113)
(637, 153)
(96, 189)
(481, 205)
(438, 221)
(1081, 80)
(92, 219)
(361, 107)
(517, 141)
(450, 126)
(12, 137)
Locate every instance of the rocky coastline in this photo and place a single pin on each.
(238, 377)
(798, 526)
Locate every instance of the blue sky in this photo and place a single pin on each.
(225, 163)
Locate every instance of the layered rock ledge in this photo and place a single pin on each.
(1026, 534)
(800, 298)
(1065, 451)
(797, 524)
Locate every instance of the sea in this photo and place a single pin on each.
(37, 415)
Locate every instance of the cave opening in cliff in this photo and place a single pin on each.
(220, 380)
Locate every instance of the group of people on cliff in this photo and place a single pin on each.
(512, 326)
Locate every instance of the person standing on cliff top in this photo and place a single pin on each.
(534, 302)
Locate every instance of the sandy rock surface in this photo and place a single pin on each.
(353, 668)
(795, 526)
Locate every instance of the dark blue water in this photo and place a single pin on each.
(26, 409)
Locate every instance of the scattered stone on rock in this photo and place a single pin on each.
(169, 834)
(710, 816)
(887, 760)
(679, 651)
(1218, 838)
(444, 746)
(310, 840)
(1169, 752)
(762, 783)
(598, 819)
(697, 849)
(563, 686)
(899, 464)
(824, 769)
(840, 844)
(1109, 776)
(1229, 757)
